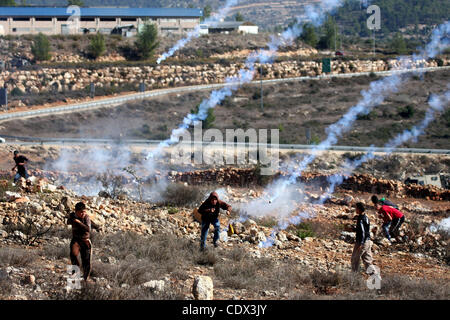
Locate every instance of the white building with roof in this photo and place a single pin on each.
(70, 20)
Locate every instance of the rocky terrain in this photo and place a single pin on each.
(149, 250)
(60, 80)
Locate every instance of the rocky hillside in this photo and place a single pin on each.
(150, 250)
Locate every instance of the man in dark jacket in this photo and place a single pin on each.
(363, 244)
(209, 211)
(81, 243)
(20, 165)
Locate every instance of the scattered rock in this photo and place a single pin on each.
(155, 285)
(30, 279)
(203, 288)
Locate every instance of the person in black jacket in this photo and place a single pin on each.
(210, 210)
(20, 161)
(363, 244)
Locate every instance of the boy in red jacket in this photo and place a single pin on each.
(392, 219)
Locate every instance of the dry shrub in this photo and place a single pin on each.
(98, 292)
(58, 251)
(402, 287)
(208, 258)
(16, 257)
(238, 275)
(163, 253)
(180, 195)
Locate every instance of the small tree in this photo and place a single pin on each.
(309, 35)
(239, 17)
(97, 46)
(75, 3)
(147, 41)
(398, 44)
(41, 48)
(210, 118)
(7, 3)
(206, 12)
(328, 39)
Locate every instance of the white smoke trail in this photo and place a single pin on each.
(315, 13)
(211, 21)
(372, 97)
(437, 105)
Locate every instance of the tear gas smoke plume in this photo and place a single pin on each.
(79, 170)
(437, 105)
(315, 14)
(372, 97)
(376, 94)
(211, 21)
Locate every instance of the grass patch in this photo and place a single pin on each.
(16, 257)
(180, 195)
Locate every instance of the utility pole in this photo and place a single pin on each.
(373, 32)
(262, 102)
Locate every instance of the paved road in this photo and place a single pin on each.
(154, 143)
(115, 101)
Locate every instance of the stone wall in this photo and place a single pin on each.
(57, 79)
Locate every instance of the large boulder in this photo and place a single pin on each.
(203, 288)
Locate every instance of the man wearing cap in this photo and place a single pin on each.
(210, 210)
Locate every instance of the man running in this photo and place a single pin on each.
(81, 243)
(210, 210)
(20, 165)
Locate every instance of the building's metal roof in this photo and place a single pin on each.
(229, 24)
(99, 12)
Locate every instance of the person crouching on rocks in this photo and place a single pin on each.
(81, 243)
(392, 220)
(209, 211)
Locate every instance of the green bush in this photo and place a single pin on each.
(16, 92)
(147, 41)
(304, 230)
(97, 46)
(41, 48)
(407, 112)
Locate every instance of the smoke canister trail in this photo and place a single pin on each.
(211, 21)
(372, 97)
(437, 105)
(316, 14)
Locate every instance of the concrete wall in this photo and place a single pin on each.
(248, 29)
